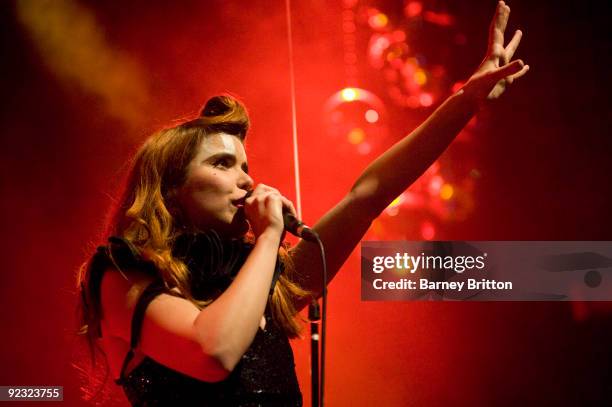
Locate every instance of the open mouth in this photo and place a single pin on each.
(239, 203)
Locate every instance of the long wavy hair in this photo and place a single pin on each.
(148, 216)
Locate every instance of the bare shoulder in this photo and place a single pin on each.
(119, 294)
(168, 331)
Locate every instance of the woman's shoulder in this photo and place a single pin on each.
(120, 292)
(121, 275)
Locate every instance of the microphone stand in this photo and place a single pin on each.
(314, 316)
(297, 228)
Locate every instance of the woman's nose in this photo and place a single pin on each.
(246, 182)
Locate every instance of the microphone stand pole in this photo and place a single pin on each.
(314, 315)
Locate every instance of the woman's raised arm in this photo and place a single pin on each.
(396, 169)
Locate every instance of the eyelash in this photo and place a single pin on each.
(225, 163)
(222, 162)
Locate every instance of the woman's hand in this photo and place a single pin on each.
(496, 71)
(264, 209)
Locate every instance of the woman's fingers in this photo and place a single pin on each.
(496, 71)
(266, 195)
(520, 73)
(513, 45)
(497, 28)
(262, 194)
(286, 202)
(289, 205)
(500, 73)
(501, 16)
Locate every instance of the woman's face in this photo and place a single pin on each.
(216, 184)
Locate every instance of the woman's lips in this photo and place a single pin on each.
(239, 203)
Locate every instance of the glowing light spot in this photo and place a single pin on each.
(420, 77)
(426, 99)
(371, 116)
(379, 20)
(392, 211)
(428, 231)
(349, 94)
(442, 19)
(395, 202)
(435, 185)
(364, 148)
(356, 136)
(446, 192)
(394, 53)
(457, 86)
(414, 8)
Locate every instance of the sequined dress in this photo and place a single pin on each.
(265, 376)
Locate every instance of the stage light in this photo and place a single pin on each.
(371, 116)
(349, 94)
(392, 211)
(420, 77)
(425, 99)
(442, 19)
(356, 118)
(428, 231)
(364, 148)
(356, 136)
(378, 21)
(417, 76)
(446, 192)
(413, 8)
(435, 185)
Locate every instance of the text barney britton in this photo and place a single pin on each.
(410, 274)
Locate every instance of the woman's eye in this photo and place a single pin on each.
(223, 162)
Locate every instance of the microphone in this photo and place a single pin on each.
(293, 225)
(297, 228)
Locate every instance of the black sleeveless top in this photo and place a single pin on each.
(265, 376)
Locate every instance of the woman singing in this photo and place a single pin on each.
(192, 298)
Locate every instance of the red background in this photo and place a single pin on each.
(544, 153)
